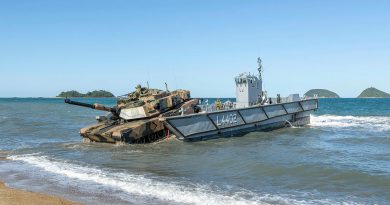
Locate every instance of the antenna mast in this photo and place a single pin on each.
(260, 68)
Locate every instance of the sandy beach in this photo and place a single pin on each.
(10, 196)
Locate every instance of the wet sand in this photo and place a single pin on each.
(10, 196)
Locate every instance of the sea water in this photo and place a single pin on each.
(342, 157)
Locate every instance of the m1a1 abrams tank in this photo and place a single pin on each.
(137, 117)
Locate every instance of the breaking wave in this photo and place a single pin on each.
(138, 185)
(372, 123)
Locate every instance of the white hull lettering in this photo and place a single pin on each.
(229, 119)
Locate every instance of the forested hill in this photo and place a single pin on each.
(93, 94)
(321, 93)
(373, 93)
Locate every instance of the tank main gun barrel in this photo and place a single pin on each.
(95, 106)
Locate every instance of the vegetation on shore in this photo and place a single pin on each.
(373, 93)
(321, 93)
(93, 94)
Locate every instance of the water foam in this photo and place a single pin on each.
(371, 123)
(179, 192)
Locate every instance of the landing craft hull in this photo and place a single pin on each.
(239, 121)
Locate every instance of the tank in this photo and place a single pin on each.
(138, 117)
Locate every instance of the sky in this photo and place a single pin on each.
(51, 46)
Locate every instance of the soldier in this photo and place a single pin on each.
(136, 94)
(218, 104)
(138, 89)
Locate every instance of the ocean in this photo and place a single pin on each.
(342, 157)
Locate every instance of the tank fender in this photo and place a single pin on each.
(84, 131)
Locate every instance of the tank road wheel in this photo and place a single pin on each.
(151, 138)
(159, 136)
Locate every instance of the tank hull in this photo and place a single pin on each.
(240, 121)
(139, 131)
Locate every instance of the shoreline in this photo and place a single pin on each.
(17, 196)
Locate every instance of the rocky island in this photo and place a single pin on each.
(373, 93)
(93, 94)
(321, 93)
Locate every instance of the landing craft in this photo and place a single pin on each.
(147, 115)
